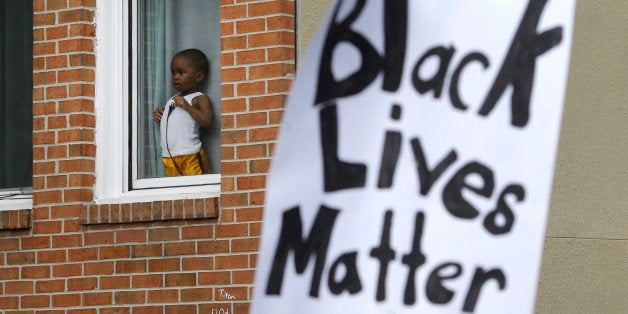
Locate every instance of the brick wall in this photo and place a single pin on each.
(69, 255)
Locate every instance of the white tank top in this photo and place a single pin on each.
(179, 132)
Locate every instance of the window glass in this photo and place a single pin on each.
(162, 28)
(16, 119)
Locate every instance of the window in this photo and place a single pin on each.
(16, 118)
(133, 78)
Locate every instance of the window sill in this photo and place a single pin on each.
(15, 219)
(151, 211)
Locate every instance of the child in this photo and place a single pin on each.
(183, 115)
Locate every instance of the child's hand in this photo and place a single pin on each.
(179, 101)
(158, 113)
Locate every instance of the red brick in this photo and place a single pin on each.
(215, 307)
(82, 149)
(251, 182)
(129, 297)
(115, 252)
(47, 286)
(56, 4)
(197, 232)
(99, 238)
(66, 300)
(57, 32)
(271, 39)
(130, 266)
(227, 59)
(250, 56)
(176, 280)
(83, 254)
(10, 244)
(100, 268)
(233, 43)
(214, 278)
(53, 62)
(83, 29)
(9, 302)
(179, 248)
(46, 48)
(98, 298)
(267, 102)
(244, 245)
(82, 284)
(125, 236)
(38, 35)
(76, 75)
(81, 3)
(163, 296)
(227, 90)
(251, 88)
(280, 22)
(281, 54)
(18, 287)
(67, 270)
(71, 240)
(82, 89)
(20, 258)
(250, 25)
(164, 265)
(233, 105)
(33, 242)
(42, 78)
(231, 200)
(259, 165)
(180, 309)
(82, 120)
(115, 282)
(238, 293)
(9, 273)
(243, 277)
(147, 250)
(233, 74)
(197, 294)
(251, 151)
(76, 16)
(31, 272)
(213, 247)
(233, 12)
(58, 151)
(251, 119)
(270, 70)
(44, 19)
(35, 301)
(197, 263)
(147, 281)
(163, 234)
(231, 230)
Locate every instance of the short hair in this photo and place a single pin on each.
(197, 58)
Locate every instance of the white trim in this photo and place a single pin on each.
(111, 99)
(112, 121)
(16, 198)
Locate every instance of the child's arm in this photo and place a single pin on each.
(158, 113)
(200, 110)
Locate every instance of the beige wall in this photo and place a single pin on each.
(585, 259)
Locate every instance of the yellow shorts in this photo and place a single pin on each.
(186, 165)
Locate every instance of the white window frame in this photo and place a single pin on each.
(16, 198)
(114, 181)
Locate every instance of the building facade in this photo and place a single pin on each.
(85, 241)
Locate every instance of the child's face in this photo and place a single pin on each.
(185, 77)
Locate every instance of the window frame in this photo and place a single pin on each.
(18, 197)
(147, 183)
(115, 116)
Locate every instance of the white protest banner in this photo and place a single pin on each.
(414, 164)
